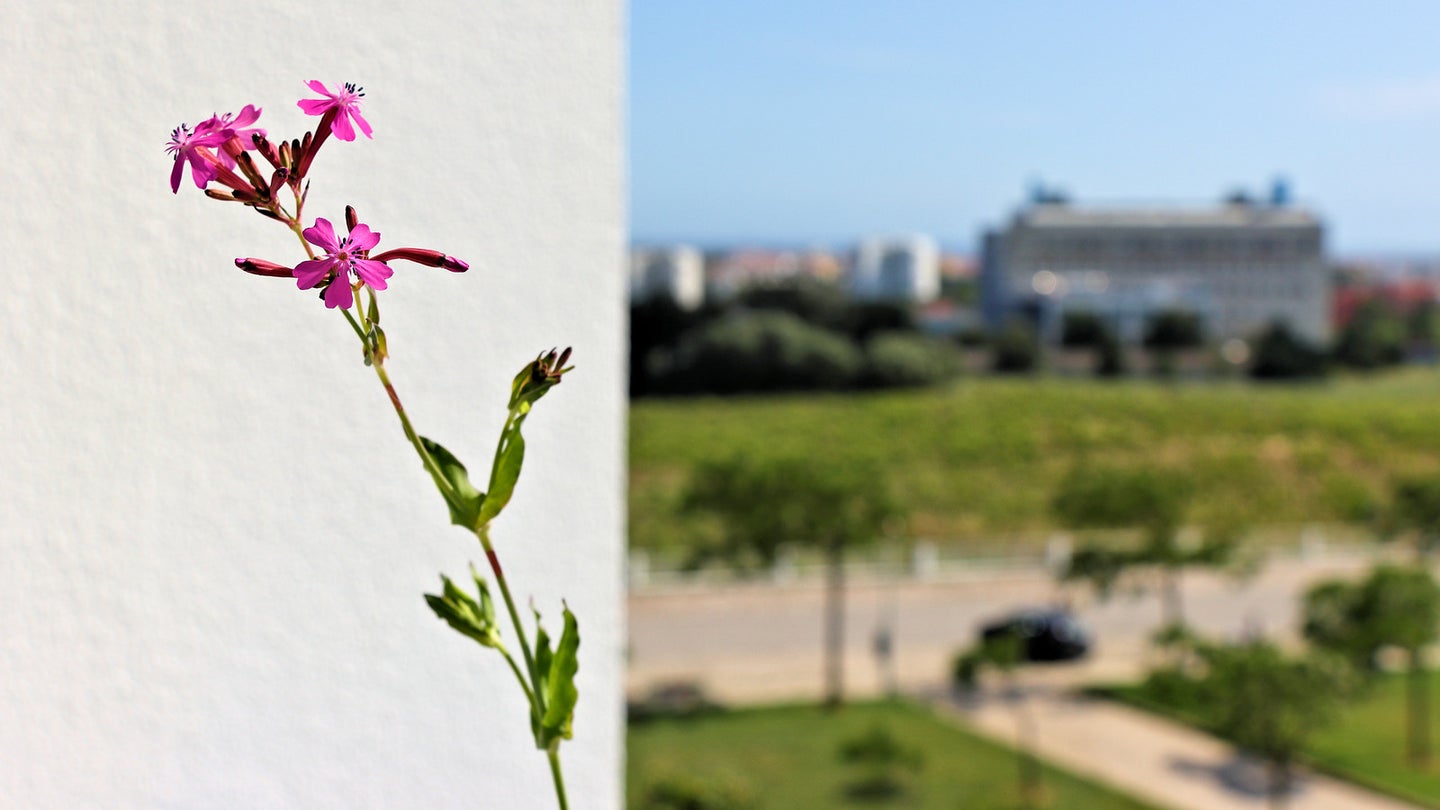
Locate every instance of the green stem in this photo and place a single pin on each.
(554, 753)
(430, 463)
(537, 696)
(515, 668)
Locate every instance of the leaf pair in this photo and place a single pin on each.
(469, 616)
(555, 672)
(469, 507)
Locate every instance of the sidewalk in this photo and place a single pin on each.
(1161, 762)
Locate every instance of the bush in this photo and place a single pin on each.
(1016, 349)
(1280, 354)
(694, 793)
(898, 359)
(758, 352)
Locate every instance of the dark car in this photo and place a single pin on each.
(1046, 635)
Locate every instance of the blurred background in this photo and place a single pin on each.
(1033, 405)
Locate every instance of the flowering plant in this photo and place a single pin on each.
(348, 273)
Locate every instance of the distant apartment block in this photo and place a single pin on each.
(675, 273)
(1240, 265)
(897, 269)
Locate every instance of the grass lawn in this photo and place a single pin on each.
(788, 757)
(1365, 745)
(982, 457)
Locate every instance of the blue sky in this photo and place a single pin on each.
(819, 122)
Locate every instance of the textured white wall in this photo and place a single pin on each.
(213, 536)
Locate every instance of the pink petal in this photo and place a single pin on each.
(373, 273)
(318, 87)
(246, 117)
(364, 125)
(362, 238)
(322, 234)
(339, 294)
(176, 172)
(201, 171)
(309, 274)
(341, 126)
(315, 106)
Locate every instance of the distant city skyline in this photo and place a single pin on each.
(811, 123)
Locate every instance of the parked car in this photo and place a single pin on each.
(1046, 635)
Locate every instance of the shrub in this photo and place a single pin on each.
(758, 352)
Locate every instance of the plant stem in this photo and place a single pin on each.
(538, 700)
(553, 752)
(509, 659)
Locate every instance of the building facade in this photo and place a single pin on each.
(897, 269)
(675, 273)
(1250, 263)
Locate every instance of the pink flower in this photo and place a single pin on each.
(196, 148)
(340, 108)
(237, 133)
(342, 257)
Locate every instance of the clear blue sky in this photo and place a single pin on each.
(819, 122)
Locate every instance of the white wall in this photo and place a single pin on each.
(213, 536)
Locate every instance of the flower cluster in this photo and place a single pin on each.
(218, 151)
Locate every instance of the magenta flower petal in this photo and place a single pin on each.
(322, 235)
(339, 294)
(310, 274)
(362, 238)
(361, 122)
(315, 106)
(341, 128)
(373, 273)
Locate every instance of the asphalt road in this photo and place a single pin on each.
(746, 643)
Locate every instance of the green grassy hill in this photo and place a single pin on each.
(982, 458)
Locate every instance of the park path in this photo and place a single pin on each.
(1156, 760)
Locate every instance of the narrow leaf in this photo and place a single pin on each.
(560, 692)
(464, 499)
(506, 473)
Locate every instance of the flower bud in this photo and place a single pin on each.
(260, 267)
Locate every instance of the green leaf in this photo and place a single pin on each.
(464, 499)
(560, 692)
(506, 472)
(464, 614)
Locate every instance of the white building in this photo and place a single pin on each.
(676, 273)
(1255, 262)
(903, 268)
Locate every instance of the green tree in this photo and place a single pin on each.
(1016, 349)
(1393, 607)
(1080, 328)
(1280, 355)
(765, 505)
(1005, 654)
(1170, 331)
(1151, 500)
(1270, 705)
(1374, 337)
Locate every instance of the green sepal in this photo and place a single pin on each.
(560, 692)
(463, 498)
(466, 615)
(505, 473)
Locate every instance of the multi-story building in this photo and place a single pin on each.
(676, 273)
(897, 269)
(1244, 264)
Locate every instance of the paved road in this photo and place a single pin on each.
(762, 642)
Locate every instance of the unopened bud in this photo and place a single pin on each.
(260, 267)
(220, 195)
(351, 219)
